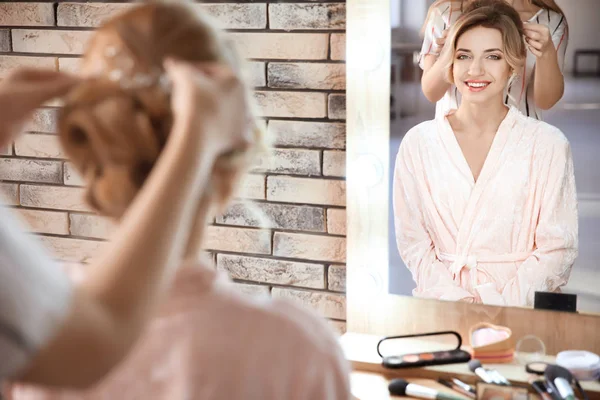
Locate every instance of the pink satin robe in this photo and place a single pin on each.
(494, 241)
(211, 342)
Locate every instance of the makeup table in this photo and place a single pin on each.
(370, 379)
(373, 386)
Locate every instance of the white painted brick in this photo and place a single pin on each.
(13, 169)
(240, 240)
(305, 190)
(309, 247)
(26, 14)
(50, 41)
(238, 16)
(291, 161)
(43, 120)
(291, 104)
(4, 40)
(271, 271)
(327, 304)
(69, 64)
(282, 46)
(46, 221)
(87, 14)
(252, 290)
(253, 186)
(72, 177)
(256, 74)
(336, 277)
(338, 46)
(53, 197)
(334, 163)
(229, 16)
(74, 250)
(9, 194)
(336, 221)
(275, 216)
(307, 76)
(290, 16)
(6, 151)
(336, 106)
(92, 226)
(38, 145)
(8, 63)
(330, 135)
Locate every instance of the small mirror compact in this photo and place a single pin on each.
(492, 344)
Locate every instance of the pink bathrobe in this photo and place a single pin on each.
(497, 240)
(212, 342)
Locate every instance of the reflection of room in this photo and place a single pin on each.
(577, 115)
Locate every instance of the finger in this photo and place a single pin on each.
(533, 26)
(535, 44)
(534, 51)
(532, 35)
(32, 90)
(30, 74)
(440, 41)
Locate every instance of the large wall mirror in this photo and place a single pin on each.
(527, 202)
(494, 249)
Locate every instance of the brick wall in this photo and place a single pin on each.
(296, 51)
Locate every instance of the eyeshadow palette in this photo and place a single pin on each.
(427, 359)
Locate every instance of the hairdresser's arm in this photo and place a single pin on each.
(112, 306)
(549, 83)
(433, 81)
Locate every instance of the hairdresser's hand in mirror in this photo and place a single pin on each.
(25, 89)
(212, 98)
(441, 41)
(445, 52)
(539, 40)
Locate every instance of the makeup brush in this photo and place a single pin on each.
(400, 387)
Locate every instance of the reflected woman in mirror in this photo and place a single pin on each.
(540, 84)
(485, 204)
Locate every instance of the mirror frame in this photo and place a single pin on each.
(370, 309)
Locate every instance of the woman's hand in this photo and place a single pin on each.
(210, 98)
(539, 40)
(25, 89)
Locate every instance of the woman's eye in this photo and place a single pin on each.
(494, 57)
(462, 57)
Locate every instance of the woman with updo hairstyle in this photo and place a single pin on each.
(484, 197)
(209, 340)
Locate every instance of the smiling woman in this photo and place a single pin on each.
(540, 83)
(484, 197)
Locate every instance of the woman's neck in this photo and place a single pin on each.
(476, 119)
(193, 250)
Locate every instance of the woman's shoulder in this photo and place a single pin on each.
(542, 132)
(421, 132)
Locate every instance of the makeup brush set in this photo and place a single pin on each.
(492, 344)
